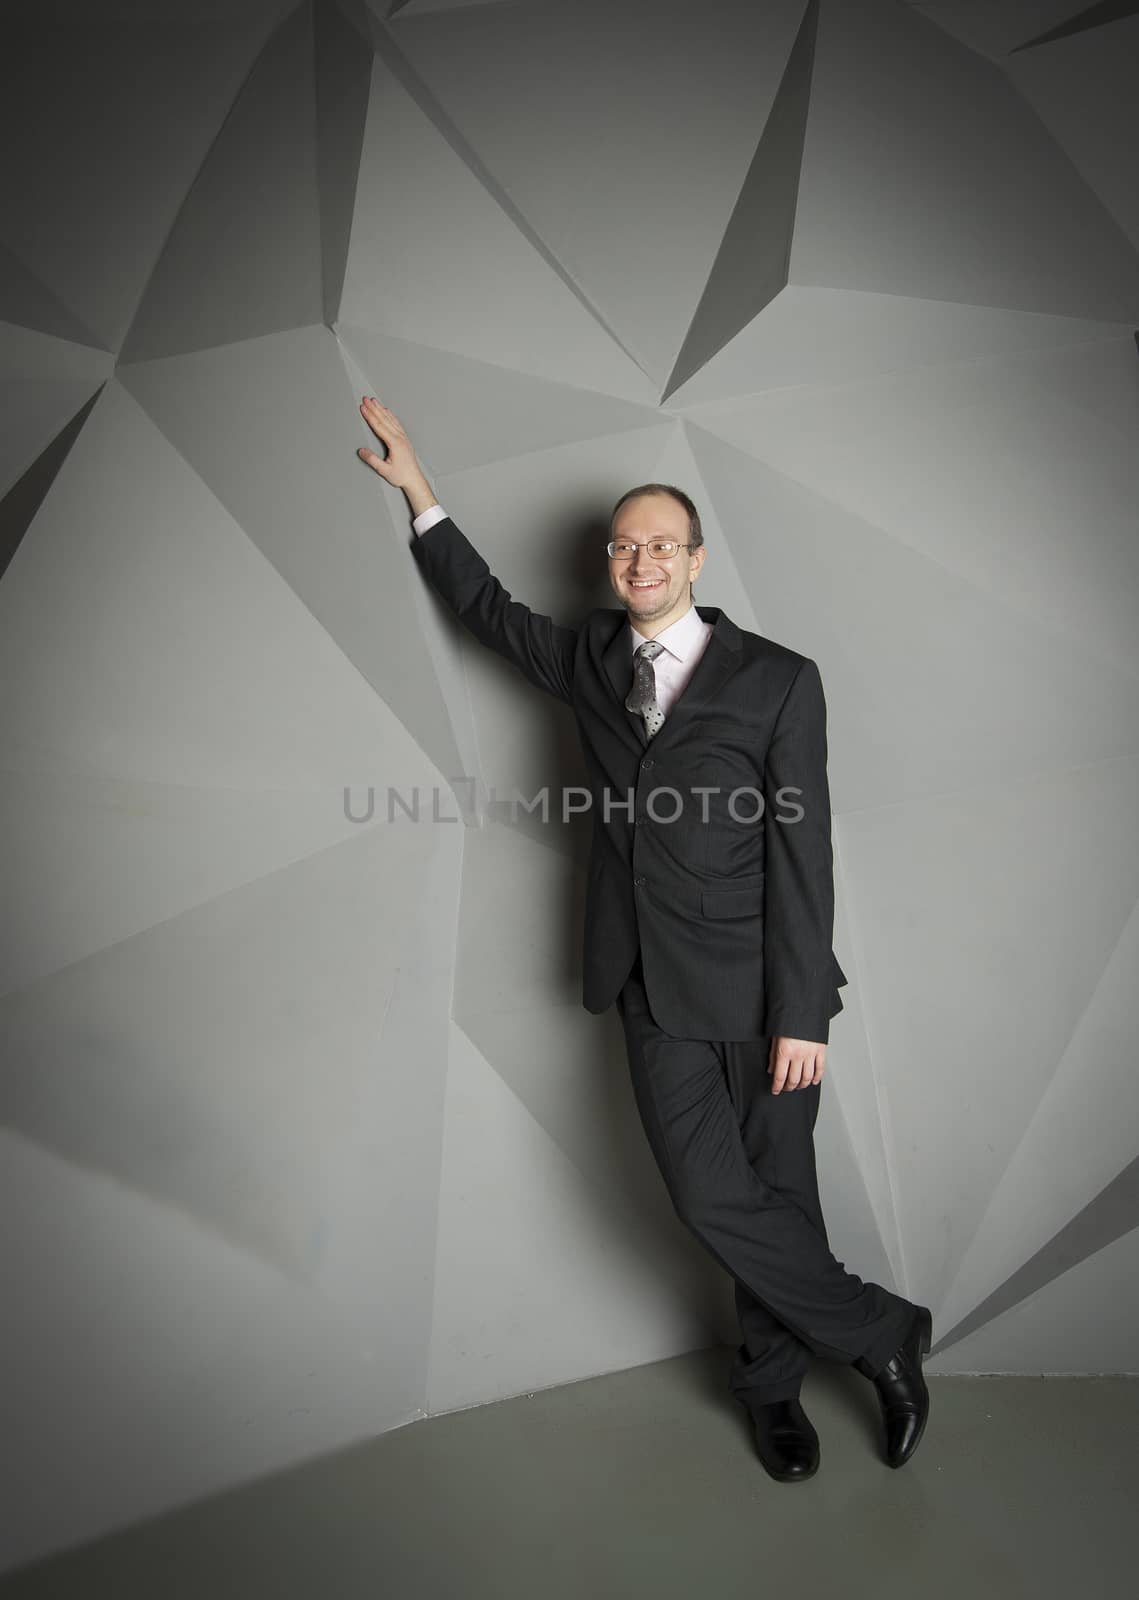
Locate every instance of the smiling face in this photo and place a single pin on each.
(654, 589)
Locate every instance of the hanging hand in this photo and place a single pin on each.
(795, 1063)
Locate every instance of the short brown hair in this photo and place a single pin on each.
(695, 532)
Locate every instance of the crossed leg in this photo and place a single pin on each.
(738, 1163)
(778, 1138)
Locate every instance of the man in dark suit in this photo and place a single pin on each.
(709, 914)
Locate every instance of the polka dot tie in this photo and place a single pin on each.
(642, 697)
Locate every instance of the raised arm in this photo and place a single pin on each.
(539, 647)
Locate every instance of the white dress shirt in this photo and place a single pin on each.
(684, 640)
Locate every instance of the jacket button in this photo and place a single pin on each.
(647, 763)
(639, 881)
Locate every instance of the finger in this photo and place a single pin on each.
(795, 1073)
(378, 424)
(781, 1065)
(384, 416)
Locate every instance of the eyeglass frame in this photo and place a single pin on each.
(644, 544)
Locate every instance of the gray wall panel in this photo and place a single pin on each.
(306, 1131)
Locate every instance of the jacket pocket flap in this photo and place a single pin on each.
(745, 900)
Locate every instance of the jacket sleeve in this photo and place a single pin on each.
(801, 974)
(539, 647)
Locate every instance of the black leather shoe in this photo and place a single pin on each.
(785, 1440)
(902, 1391)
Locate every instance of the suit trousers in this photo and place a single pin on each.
(739, 1165)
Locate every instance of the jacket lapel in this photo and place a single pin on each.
(722, 655)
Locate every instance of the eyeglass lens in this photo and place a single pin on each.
(655, 547)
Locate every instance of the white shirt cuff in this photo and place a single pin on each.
(428, 519)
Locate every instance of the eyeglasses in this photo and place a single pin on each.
(660, 549)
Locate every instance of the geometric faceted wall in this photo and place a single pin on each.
(306, 1134)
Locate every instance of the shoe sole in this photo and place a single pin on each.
(789, 1477)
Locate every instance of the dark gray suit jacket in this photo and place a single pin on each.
(734, 917)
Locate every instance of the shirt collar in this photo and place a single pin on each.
(679, 638)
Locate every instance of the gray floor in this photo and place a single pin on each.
(645, 1483)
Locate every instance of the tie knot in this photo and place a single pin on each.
(650, 649)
